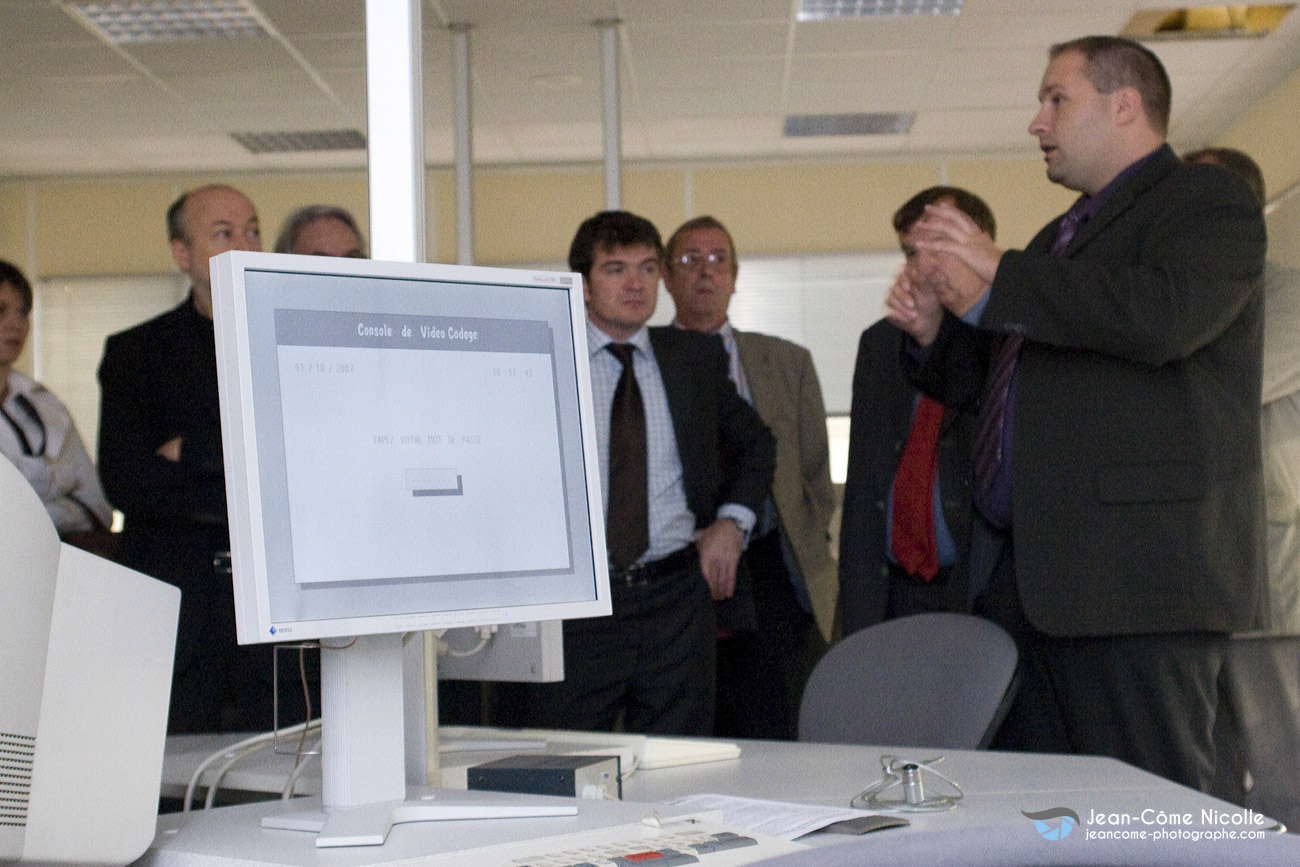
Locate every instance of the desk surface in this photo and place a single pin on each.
(998, 786)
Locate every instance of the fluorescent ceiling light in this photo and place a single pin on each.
(170, 20)
(809, 125)
(297, 142)
(825, 10)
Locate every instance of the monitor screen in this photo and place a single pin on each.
(408, 446)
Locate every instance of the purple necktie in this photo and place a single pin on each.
(993, 411)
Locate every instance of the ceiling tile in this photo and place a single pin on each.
(235, 88)
(1038, 28)
(35, 60)
(729, 77)
(520, 13)
(701, 79)
(294, 17)
(1203, 55)
(739, 39)
(684, 13)
(975, 129)
(719, 104)
(25, 21)
(332, 50)
(211, 59)
(278, 115)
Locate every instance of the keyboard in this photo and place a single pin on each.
(675, 842)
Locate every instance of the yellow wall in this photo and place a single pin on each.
(13, 224)
(13, 245)
(1018, 192)
(1270, 133)
(108, 226)
(528, 214)
(112, 226)
(101, 227)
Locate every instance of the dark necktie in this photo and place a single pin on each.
(628, 521)
(37, 450)
(992, 414)
(912, 539)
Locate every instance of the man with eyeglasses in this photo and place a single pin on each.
(774, 633)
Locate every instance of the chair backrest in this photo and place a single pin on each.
(928, 680)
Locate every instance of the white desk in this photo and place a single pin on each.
(998, 787)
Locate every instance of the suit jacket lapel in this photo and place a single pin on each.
(1123, 198)
(754, 361)
(679, 387)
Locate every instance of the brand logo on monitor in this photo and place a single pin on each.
(1054, 830)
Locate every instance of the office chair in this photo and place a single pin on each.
(928, 680)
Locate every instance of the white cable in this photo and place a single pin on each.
(631, 768)
(219, 754)
(214, 785)
(301, 765)
(485, 634)
(461, 654)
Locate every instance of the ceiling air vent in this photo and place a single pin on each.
(807, 125)
(169, 20)
(827, 10)
(301, 142)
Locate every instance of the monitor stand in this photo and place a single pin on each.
(363, 755)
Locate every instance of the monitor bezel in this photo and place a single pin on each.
(243, 471)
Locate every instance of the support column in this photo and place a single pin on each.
(464, 146)
(612, 113)
(395, 130)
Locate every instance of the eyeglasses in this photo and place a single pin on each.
(694, 260)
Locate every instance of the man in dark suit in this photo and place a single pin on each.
(686, 466)
(897, 559)
(1116, 363)
(160, 460)
(764, 664)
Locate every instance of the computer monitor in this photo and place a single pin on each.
(407, 447)
(86, 650)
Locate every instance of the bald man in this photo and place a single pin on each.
(161, 463)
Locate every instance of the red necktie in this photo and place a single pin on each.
(912, 540)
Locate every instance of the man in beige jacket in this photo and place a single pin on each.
(764, 662)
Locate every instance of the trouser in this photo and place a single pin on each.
(650, 664)
(1257, 731)
(761, 675)
(1146, 699)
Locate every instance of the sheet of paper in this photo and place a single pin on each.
(773, 818)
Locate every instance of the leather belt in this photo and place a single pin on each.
(640, 574)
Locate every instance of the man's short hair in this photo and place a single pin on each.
(702, 222)
(304, 216)
(177, 228)
(607, 230)
(1112, 62)
(10, 275)
(1234, 161)
(967, 202)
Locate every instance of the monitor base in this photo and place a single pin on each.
(369, 825)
